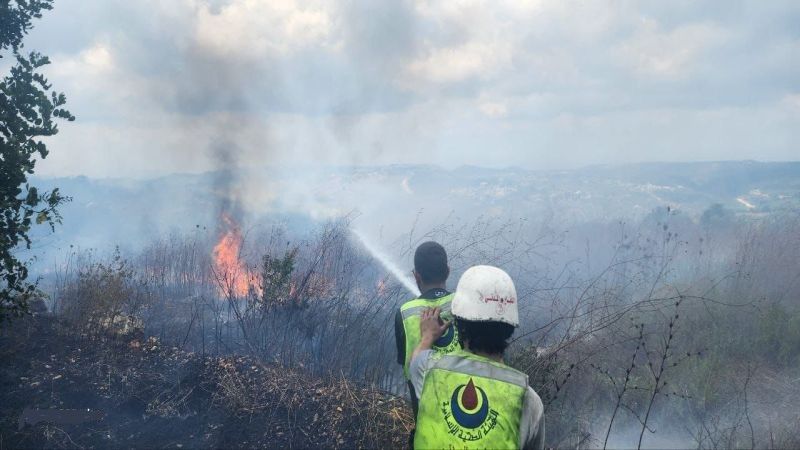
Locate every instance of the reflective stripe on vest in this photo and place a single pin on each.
(468, 401)
(411, 311)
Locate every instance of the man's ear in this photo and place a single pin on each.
(417, 278)
(447, 273)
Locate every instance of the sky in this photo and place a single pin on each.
(195, 85)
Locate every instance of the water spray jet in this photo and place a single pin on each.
(386, 261)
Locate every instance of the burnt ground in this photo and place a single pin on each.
(152, 396)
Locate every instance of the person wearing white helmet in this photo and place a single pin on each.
(470, 398)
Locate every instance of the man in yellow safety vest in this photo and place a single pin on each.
(470, 398)
(431, 272)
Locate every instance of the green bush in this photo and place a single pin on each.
(102, 293)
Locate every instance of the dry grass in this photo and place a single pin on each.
(331, 407)
(159, 396)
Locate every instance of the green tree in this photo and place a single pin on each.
(28, 111)
(276, 276)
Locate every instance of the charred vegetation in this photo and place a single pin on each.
(671, 335)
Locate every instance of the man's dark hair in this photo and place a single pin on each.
(430, 262)
(486, 337)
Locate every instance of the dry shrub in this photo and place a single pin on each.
(325, 410)
(237, 392)
(383, 419)
(105, 297)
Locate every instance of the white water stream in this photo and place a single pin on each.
(386, 261)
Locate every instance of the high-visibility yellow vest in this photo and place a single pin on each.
(411, 312)
(469, 401)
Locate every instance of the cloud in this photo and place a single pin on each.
(651, 52)
(536, 83)
(494, 109)
(252, 28)
(453, 64)
(792, 101)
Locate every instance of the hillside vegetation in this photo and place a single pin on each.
(671, 331)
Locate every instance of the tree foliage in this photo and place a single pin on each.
(28, 112)
(276, 275)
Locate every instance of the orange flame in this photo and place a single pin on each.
(232, 273)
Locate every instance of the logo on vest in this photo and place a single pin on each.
(447, 338)
(468, 415)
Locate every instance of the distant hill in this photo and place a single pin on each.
(393, 198)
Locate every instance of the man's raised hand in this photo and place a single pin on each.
(431, 327)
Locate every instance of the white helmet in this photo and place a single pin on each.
(486, 293)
